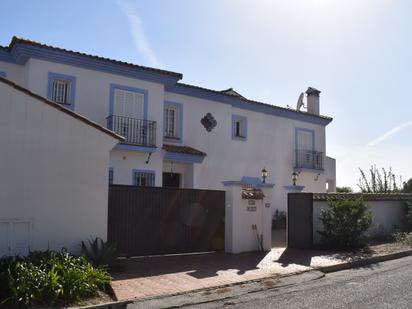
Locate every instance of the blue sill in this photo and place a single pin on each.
(135, 148)
(172, 139)
(308, 170)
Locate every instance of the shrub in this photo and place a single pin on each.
(98, 252)
(344, 190)
(408, 206)
(345, 223)
(404, 238)
(49, 278)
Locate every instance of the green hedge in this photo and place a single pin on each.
(49, 278)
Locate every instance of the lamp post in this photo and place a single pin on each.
(264, 174)
(294, 178)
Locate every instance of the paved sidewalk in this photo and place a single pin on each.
(167, 275)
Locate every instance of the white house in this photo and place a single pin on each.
(178, 134)
(54, 162)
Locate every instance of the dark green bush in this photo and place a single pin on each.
(99, 252)
(345, 223)
(49, 278)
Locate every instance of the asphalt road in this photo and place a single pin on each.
(384, 285)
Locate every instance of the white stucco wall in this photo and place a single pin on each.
(386, 215)
(54, 169)
(330, 174)
(270, 141)
(270, 144)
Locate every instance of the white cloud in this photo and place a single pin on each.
(140, 40)
(388, 134)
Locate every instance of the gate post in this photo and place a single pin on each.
(248, 217)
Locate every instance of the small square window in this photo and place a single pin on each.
(239, 127)
(61, 91)
(144, 178)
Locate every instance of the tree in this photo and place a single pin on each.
(378, 182)
(407, 186)
(344, 190)
(345, 223)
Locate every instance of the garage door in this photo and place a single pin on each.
(15, 237)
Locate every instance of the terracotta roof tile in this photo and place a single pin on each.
(16, 40)
(183, 149)
(366, 196)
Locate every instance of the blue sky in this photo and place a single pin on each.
(358, 53)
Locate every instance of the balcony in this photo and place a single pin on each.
(308, 159)
(138, 132)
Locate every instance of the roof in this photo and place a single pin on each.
(252, 194)
(61, 108)
(366, 196)
(16, 40)
(329, 119)
(183, 149)
(232, 92)
(136, 71)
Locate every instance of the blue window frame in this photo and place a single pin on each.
(111, 175)
(143, 178)
(173, 122)
(3, 74)
(61, 88)
(239, 127)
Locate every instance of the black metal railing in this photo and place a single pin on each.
(136, 131)
(309, 159)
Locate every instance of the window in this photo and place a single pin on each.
(170, 125)
(143, 178)
(3, 74)
(129, 104)
(239, 127)
(111, 176)
(173, 122)
(61, 89)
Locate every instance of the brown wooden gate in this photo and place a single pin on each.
(154, 220)
(300, 220)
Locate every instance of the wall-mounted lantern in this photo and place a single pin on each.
(264, 174)
(294, 178)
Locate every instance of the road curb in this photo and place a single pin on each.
(364, 261)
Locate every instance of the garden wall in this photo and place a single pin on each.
(388, 211)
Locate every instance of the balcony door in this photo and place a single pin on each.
(128, 104)
(305, 145)
(305, 140)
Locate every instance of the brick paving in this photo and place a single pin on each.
(165, 275)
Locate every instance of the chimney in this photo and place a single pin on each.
(313, 100)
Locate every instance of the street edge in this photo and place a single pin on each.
(324, 269)
(364, 261)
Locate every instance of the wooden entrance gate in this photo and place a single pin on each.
(154, 220)
(300, 220)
